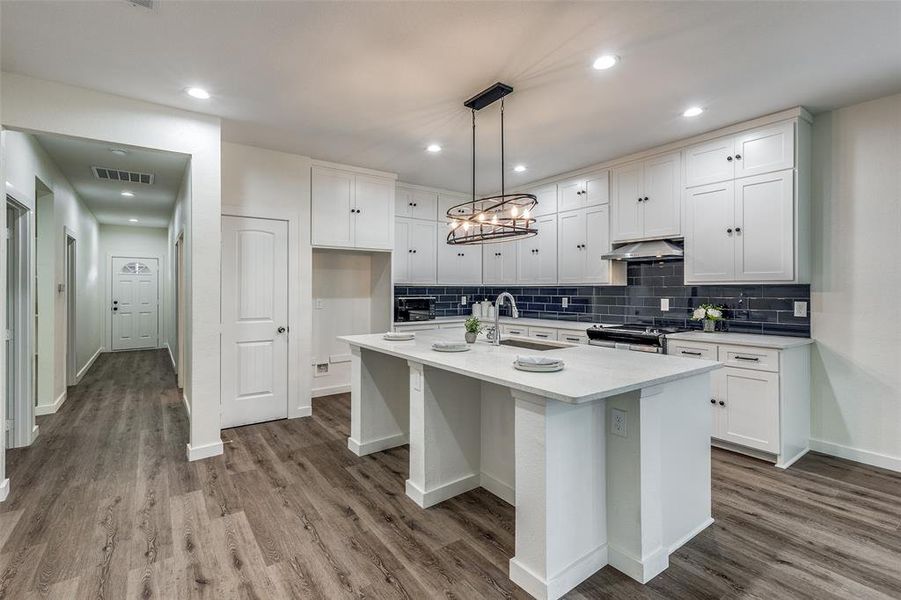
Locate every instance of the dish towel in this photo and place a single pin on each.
(540, 361)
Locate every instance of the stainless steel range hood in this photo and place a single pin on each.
(651, 250)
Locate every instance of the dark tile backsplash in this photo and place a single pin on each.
(749, 308)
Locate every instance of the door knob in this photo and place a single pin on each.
(281, 330)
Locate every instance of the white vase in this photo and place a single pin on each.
(709, 325)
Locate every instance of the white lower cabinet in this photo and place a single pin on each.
(414, 251)
(759, 400)
(459, 263)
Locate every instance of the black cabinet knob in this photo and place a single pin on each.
(738, 157)
(115, 308)
(409, 250)
(639, 198)
(713, 400)
(738, 230)
(722, 403)
(115, 302)
(414, 252)
(729, 158)
(729, 230)
(645, 198)
(414, 204)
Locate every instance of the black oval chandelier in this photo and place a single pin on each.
(490, 219)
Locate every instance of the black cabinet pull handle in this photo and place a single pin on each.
(729, 158)
(722, 403)
(747, 358)
(691, 353)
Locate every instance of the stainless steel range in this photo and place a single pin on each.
(641, 338)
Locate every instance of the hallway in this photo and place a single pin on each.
(105, 505)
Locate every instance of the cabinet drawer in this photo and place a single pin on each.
(691, 349)
(745, 357)
(514, 330)
(542, 333)
(573, 337)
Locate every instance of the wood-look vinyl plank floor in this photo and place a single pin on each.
(105, 505)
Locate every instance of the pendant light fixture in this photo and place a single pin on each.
(501, 218)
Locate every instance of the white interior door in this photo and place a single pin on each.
(135, 303)
(254, 320)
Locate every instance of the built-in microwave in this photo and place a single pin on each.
(414, 308)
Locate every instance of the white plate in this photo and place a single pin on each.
(451, 349)
(538, 368)
(403, 337)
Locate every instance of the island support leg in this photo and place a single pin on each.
(561, 519)
(379, 402)
(445, 434)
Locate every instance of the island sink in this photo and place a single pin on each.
(530, 345)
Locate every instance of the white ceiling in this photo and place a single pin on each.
(373, 83)
(151, 205)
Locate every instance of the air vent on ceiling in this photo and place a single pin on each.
(141, 3)
(107, 174)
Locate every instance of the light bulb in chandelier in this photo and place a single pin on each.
(494, 219)
(526, 214)
(514, 211)
(481, 217)
(466, 226)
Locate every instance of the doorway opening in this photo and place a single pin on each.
(19, 379)
(70, 268)
(180, 311)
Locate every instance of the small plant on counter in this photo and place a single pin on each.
(473, 328)
(709, 314)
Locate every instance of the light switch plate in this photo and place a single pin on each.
(565, 302)
(800, 309)
(618, 424)
(462, 299)
(664, 304)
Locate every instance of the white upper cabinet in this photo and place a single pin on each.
(582, 192)
(351, 210)
(416, 203)
(499, 263)
(547, 200)
(646, 201)
(538, 255)
(448, 201)
(415, 247)
(741, 230)
(459, 263)
(583, 239)
(754, 152)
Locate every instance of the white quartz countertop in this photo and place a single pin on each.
(591, 373)
(522, 322)
(779, 342)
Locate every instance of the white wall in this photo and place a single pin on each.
(856, 379)
(342, 297)
(275, 185)
(27, 162)
(37, 105)
(146, 242)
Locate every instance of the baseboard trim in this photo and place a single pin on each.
(504, 491)
(793, 459)
(867, 457)
(302, 411)
(330, 390)
(688, 536)
(641, 571)
(205, 451)
(4, 490)
(364, 448)
(567, 579)
(84, 370)
(48, 409)
(34, 434)
(441, 493)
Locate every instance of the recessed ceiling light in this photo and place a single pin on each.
(118, 151)
(519, 168)
(694, 111)
(605, 62)
(132, 220)
(433, 148)
(128, 194)
(199, 93)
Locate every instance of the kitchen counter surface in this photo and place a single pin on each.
(778, 342)
(591, 373)
(523, 322)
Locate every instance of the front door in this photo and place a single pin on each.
(135, 303)
(254, 320)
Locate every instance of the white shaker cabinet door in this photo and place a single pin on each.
(332, 222)
(626, 205)
(662, 190)
(597, 188)
(400, 257)
(571, 195)
(570, 242)
(447, 202)
(597, 244)
(470, 266)
(422, 246)
(710, 233)
(765, 150)
(499, 263)
(545, 260)
(764, 227)
(547, 200)
(374, 216)
(750, 409)
(709, 162)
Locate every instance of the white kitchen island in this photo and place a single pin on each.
(606, 462)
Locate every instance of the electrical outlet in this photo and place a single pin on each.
(800, 309)
(565, 302)
(321, 369)
(463, 300)
(664, 304)
(618, 424)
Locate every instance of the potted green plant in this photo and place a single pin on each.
(473, 328)
(708, 314)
